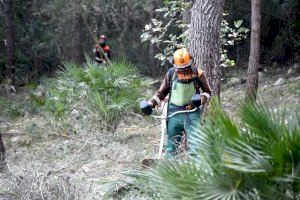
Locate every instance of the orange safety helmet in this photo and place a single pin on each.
(182, 58)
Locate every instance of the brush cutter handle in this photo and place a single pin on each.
(183, 111)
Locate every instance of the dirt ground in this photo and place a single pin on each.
(76, 158)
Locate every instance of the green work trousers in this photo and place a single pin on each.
(178, 123)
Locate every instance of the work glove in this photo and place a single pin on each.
(196, 100)
(146, 107)
(204, 98)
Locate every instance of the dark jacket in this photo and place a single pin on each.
(165, 87)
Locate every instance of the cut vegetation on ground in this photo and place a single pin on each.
(76, 156)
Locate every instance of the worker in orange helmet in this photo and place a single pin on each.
(100, 58)
(182, 83)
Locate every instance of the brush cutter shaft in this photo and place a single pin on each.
(162, 138)
(183, 111)
(175, 113)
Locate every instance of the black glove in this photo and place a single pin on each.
(146, 107)
(196, 100)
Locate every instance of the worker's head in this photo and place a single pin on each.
(182, 58)
(102, 40)
(182, 63)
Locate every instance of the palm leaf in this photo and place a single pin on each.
(236, 161)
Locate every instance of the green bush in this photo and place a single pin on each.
(11, 109)
(108, 91)
(257, 158)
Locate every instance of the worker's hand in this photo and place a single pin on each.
(145, 107)
(204, 98)
(196, 100)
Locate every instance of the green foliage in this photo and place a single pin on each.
(109, 92)
(257, 158)
(35, 50)
(46, 31)
(169, 32)
(230, 36)
(122, 28)
(10, 109)
(115, 89)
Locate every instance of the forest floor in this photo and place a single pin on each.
(76, 158)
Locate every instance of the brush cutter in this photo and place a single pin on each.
(162, 109)
(147, 110)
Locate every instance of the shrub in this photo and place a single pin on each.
(257, 158)
(109, 92)
(11, 109)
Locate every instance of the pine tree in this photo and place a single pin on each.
(9, 38)
(253, 65)
(204, 44)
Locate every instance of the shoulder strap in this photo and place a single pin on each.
(171, 73)
(196, 79)
(171, 76)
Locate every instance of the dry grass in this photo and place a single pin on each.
(73, 158)
(77, 158)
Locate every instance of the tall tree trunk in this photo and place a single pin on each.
(252, 79)
(204, 44)
(77, 51)
(2, 154)
(9, 38)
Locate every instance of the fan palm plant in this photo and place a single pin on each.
(114, 90)
(256, 158)
(110, 92)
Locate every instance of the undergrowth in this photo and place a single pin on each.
(109, 92)
(257, 158)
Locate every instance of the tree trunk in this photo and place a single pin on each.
(2, 154)
(252, 78)
(204, 44)
(77, 51)
(9, 38)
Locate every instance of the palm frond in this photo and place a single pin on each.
(111, 91)
(256, 159)
(261, 121)
(243, 157)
